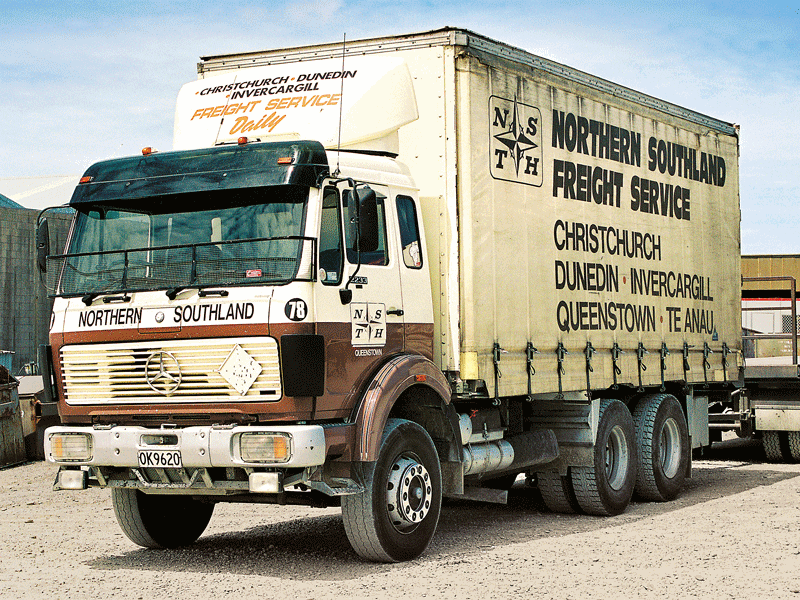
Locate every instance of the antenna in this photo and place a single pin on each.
(341, 103)
(222, 119)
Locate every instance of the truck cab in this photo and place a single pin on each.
(219, 313)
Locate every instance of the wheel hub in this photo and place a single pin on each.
(408, 492)
(617, 458)
(670, 447)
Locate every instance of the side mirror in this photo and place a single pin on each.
(42, 245)
(346, 295)
(367, 219)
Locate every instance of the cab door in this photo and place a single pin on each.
(361, 334)
(414, 276)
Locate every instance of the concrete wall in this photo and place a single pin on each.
(24, 305)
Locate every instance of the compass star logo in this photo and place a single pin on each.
(516, 141)
(163, 373)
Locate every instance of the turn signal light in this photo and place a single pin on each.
(285, 160)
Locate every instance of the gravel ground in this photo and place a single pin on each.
(734, 532)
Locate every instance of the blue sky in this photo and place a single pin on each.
(84, 81)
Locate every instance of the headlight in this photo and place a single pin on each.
(265, 447)
(71, 447)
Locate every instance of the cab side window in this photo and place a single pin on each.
(409, 232)
(331, 253)
(381, 255)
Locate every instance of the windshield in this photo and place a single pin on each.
(210, 239)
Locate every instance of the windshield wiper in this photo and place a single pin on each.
(204, 293)
(123, 298)
(173, 293)
(92, 296)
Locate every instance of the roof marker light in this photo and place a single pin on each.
(147, 151)
(242, 140)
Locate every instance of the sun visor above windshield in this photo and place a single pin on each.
(301, 101)
(299, 163)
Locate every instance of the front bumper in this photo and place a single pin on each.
(207, 446)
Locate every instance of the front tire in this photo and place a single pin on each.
(662, 442)
(160, 521)
(606, 487)
(395, 517)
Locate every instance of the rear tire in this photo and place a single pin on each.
(794, 445)
(395, 517)
(771, 442)
(160, 521)
(606, 487)
(662, 444)
(556, 492)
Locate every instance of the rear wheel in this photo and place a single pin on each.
(556, 492)
(662, 443)
(606, 487)
(394, 519)
(794, 445)
(160, 521)
(771, 440)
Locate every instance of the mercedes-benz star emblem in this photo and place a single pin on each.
(163, 373)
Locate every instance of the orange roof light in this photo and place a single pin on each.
(242, 140)
(147, 151)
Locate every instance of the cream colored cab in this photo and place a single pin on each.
(361, 299)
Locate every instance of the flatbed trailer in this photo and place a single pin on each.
(769, 406)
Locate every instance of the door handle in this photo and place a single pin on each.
(395, 311)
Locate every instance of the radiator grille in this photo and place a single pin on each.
(115, 373)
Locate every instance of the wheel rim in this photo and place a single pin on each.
(617, 458)
(409, 493)
(670, 447)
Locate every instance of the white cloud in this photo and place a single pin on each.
(317, 11)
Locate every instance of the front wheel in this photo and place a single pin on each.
(160, 521)
(395, 517)
(606, 487)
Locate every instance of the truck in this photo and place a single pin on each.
(379, 273)
(768, 406)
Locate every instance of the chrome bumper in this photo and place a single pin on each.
(207, 446)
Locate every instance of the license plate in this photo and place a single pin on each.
(164, 459)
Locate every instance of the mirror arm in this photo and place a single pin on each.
(42, 243)
(346, 294)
